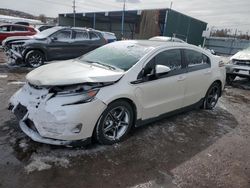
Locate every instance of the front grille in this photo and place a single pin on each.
(242, 63)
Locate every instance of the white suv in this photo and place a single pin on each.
(106, 92)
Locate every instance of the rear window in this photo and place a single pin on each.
(81, 35)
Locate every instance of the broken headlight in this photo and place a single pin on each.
(86, 92)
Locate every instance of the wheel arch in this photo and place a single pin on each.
(131, 103)
(35, 49)
(220, 83)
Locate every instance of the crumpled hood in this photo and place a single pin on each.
(16, 38)
(71, 72)
(242, 55)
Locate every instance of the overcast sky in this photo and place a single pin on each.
(219, 13)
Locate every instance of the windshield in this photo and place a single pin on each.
(46, 33)
(121, 55)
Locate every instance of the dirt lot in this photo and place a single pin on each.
(195, 149)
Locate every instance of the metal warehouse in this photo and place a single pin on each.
(140, 24)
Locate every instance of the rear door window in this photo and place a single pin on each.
(81, 35)
(196, 60)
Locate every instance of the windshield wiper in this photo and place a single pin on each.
(102, 64)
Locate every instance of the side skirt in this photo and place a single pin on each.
(197, 105)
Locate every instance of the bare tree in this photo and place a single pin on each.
(42, 18)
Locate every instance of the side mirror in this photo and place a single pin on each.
(53, 38)
(161, 69)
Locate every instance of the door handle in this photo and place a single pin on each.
(208, 72)
(181, 78)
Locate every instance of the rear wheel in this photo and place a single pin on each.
(115, 123)
(34, 58)
(212, 96)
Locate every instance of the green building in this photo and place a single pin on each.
(140, 24)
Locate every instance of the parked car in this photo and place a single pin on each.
(125, 84)
(239, 65)
(9, 30)
(57, 43)
(110, 37)
(44, 27)
(166, 39)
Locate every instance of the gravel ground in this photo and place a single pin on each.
(194, 149)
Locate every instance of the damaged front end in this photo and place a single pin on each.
(14, 53)
(58, 115)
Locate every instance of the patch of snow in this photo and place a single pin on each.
(145, 185)
(16, 83)
(40, 163)
(3, 75)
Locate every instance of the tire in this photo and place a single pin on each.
(34, 58)
(230, 79)
(115, 123)
(212, 96)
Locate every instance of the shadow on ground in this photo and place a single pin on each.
(148, 154)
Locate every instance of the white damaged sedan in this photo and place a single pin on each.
(106, 92)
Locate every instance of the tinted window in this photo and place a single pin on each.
(4, 28)
(94, 36)
(63, 35)
(170, 58)
(81, 35)
(194, 58)
(18, 28)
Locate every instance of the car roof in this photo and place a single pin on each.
(163, 44)
(155, 43)
(164, 38)
(15, 25)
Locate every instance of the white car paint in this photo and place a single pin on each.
(55, 122)
(166, 39)
(71, 72)
(242, 55)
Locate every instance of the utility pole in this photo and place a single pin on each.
(123, 17)
(74, 12)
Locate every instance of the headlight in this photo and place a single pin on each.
(86, 93)
(17, 47)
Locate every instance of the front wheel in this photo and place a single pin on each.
(212, 96)
(34, 58)
(115, 123)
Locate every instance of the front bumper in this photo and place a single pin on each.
(238, 70)
(35, 136)
(54, 123)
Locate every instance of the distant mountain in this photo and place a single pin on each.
(15, 13)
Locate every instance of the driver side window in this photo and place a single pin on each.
(169, 58)
(63, 35)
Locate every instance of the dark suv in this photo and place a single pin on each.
(57, 43)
